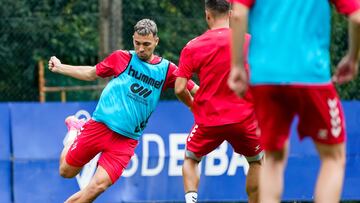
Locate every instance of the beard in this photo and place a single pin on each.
(143, 57)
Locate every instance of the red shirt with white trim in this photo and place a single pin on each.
(117, 62)
(209, 57)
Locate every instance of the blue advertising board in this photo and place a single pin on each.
(37, 134)
(38, 129)
(154, 174)
(351, 189)
(5, 154)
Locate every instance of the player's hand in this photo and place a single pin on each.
(54, 64)
(346, 70)
(238, 80)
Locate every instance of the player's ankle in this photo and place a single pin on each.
(191, 197)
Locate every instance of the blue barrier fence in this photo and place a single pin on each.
(5, 154)
(31, 137)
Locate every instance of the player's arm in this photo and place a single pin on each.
(238, 78)
(354, 36)
(182, 92)
(348, 67)
(87, 73)
(185, 88)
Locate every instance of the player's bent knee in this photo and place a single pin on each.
(67, 171)
(191, 155)
(340, 160)
(256, 159)
(334, 153)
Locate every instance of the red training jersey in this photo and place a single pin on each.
(209, 56)
(117, 62)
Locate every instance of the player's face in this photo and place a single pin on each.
(145, 45)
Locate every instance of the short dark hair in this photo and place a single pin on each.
(218, 7)
(145, 27)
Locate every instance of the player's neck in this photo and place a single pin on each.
(151, 58)
(221, 23)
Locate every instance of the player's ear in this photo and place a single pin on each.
(157, 39)
(207, 14)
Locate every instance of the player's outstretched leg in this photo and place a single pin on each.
(74, 125)
(191, 178)
(252, 182)
(331, 176)
(98, 184)
(272, 175)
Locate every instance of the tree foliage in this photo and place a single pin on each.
(339, 46)
(34, 30)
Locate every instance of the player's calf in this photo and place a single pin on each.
(252, 181)
(98, 184)
(191, 176)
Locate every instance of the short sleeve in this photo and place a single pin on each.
(185, 64)
(171, 78)
(114, 64)
(346, 7)
(247, 3)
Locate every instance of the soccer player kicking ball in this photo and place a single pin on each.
(219, 113)
(290, 76)
(122, 112)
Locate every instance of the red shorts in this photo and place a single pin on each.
(116, 150)
(318, 107)
(243, 137)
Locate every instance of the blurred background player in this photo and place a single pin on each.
(290, 76)
(122, 112)
(219, 113)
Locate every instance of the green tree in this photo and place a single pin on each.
(34, 30)
(339, 46)
(31, 30)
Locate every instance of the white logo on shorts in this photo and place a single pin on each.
(335, 117)
(323, 134)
